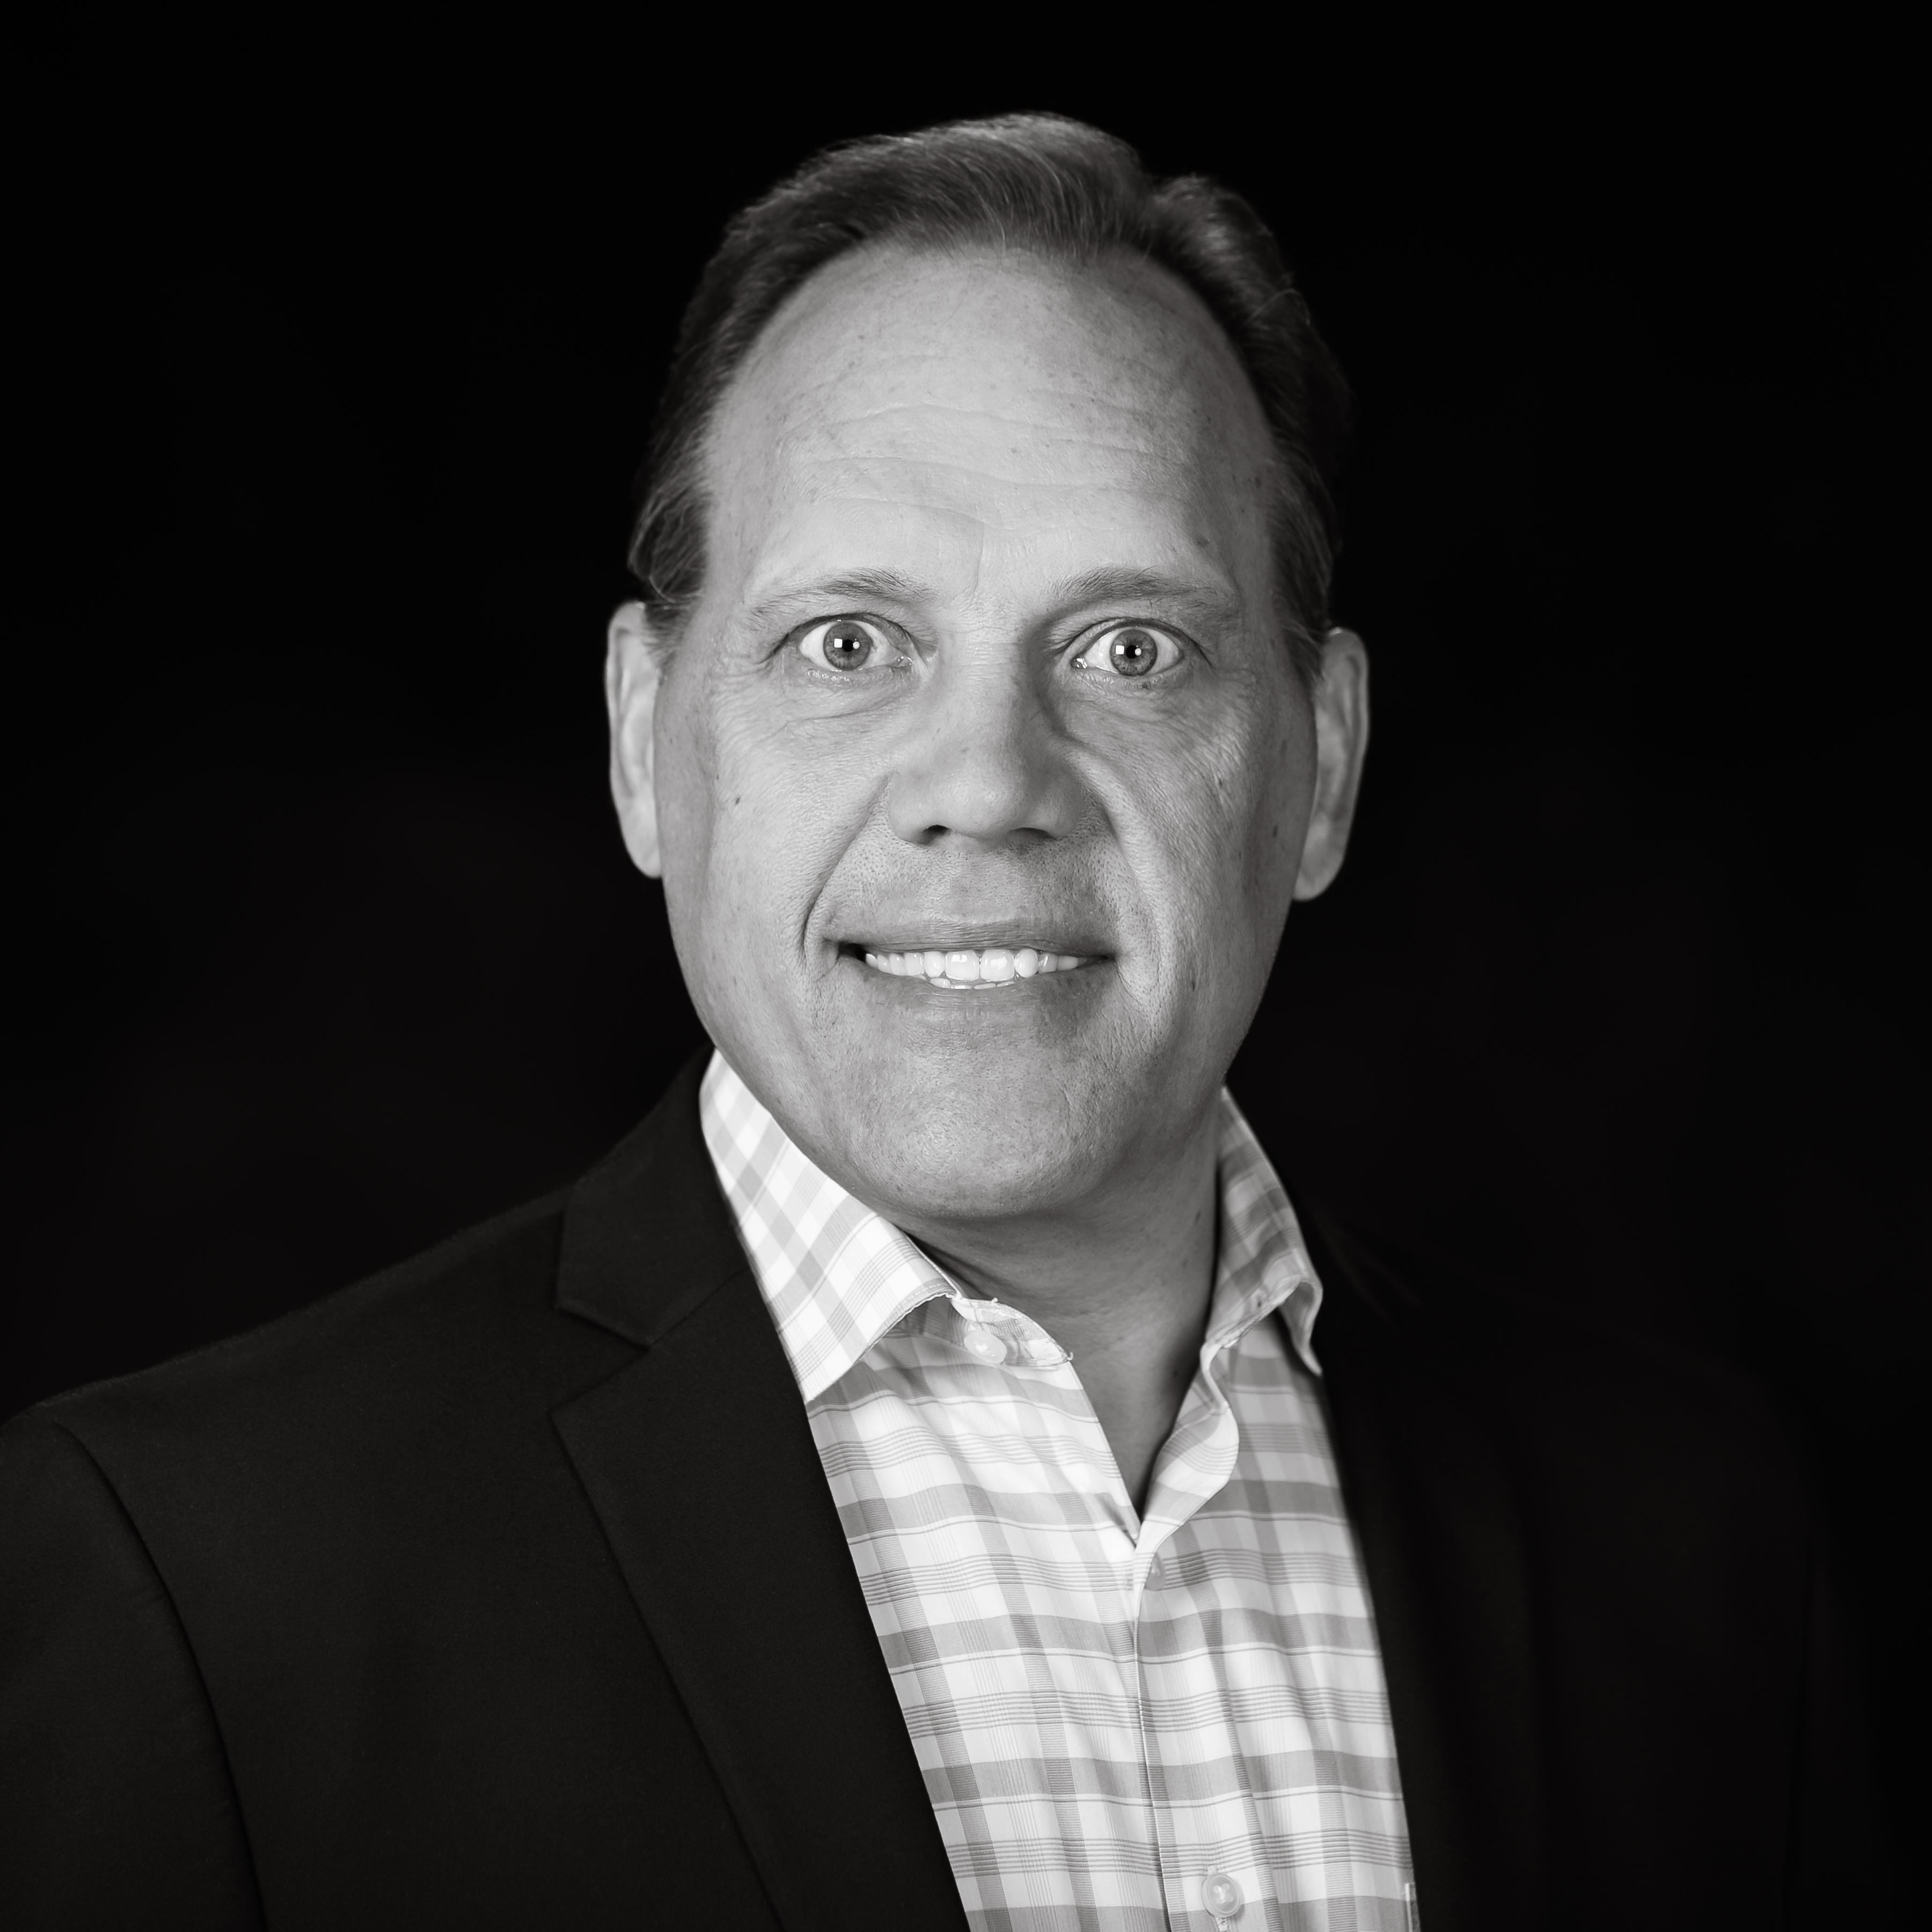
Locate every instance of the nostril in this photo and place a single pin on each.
(1018, 835)
(993, 789)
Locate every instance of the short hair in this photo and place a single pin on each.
(1038, 181)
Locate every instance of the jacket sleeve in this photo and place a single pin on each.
(117, 1807)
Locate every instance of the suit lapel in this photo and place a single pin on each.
(700, 1463)
(1428, 1491)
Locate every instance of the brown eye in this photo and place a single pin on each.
(843, 644)
(1129, 650)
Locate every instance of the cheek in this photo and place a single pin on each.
(681, 760)
(1283, 797)
(1249, 787)
(1223, 817)
(753, 822)
(702, 807)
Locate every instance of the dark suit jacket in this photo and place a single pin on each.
(506, 1590)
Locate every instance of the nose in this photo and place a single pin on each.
(985, 760)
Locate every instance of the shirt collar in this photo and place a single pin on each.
(838, 1277)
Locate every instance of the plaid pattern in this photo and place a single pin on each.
(1108, 1708)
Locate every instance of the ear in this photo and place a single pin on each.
(1341, 700)
(633, 671)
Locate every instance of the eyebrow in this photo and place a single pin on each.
(1215, 601)
(1212, 602)
(885, 586)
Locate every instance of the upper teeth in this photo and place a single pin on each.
(991, 966)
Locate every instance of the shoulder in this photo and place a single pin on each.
(412, 1409)
(1592, 1400)
(308, 1487)
(411, 1364)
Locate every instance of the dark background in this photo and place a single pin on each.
(329, 944)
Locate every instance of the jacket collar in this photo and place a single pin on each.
(699, 1462)
(646, 1236)
(1426, 1477)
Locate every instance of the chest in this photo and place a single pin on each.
(1108, 1707)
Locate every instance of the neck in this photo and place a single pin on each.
(1121, 1282)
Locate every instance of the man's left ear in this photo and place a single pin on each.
(1341, 699)
(633, 672)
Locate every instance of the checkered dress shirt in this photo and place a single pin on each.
(1124, 1720)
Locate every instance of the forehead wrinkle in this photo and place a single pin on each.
(1134, 453)
(909, 495)
(891, 500)
(1142, 481)
(965, 440)
(1025, 402)
(1132, 396)
(987, 409)
(1009, 528)
(1042, 405)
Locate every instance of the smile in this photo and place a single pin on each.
(958, 971)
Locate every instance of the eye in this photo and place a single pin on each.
(845, 644)
(1128, 650)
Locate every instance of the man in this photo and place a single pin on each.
(930, 1473)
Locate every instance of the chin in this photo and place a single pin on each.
(1018, 1112)
(974, 1166)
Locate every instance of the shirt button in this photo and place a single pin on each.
(1221, 1895)
(986, 1346)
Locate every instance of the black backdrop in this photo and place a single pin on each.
(330, 947)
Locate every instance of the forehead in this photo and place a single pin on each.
(991, 411)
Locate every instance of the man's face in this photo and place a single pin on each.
(989, 663)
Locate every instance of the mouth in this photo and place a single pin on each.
(968, 969)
